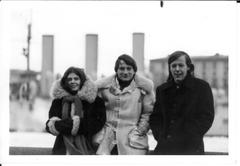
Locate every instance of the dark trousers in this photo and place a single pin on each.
(115, 150)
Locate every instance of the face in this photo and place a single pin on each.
(73, 81)
(125, 72)
(178, 69)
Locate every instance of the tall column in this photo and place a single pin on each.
(47, 64)
(138, 50)
(91, 59)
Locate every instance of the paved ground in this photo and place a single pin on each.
(21, 119)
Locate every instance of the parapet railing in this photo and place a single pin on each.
(48, 151)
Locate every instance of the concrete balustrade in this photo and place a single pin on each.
(48, 151)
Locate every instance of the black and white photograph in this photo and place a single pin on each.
(123, 82)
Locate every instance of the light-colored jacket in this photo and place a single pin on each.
(128, 114)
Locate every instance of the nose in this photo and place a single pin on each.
(177, 68)
(125, 71)
(71, 81)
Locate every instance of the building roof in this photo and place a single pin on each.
(17, 75)
(197, 58)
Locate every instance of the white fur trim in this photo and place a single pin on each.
(105, 82)
(54, 118)
(51, 125)
(88, 91)
(141, 82)
(144, 83)
(76, 123)
(56, 91)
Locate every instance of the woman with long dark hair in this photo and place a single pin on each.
(76, 113)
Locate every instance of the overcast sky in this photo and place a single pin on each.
(199, 28)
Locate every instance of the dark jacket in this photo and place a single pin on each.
(181, 116)
(93, 120)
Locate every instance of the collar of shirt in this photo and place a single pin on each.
(115, 87)
(188, 83)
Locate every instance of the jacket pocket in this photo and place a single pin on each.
(137, 140)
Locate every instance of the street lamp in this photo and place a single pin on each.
(26, 53)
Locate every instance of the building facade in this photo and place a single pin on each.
(213, 69)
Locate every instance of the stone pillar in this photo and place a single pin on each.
(47, 64)
(91, 59)
(138, 50)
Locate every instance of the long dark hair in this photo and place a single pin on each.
(78, 71)
(172, 57)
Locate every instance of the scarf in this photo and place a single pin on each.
(124, 84)
(75, 144)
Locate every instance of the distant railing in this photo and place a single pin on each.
(29, 151)
(48, 151)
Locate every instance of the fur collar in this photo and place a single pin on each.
(88, 92)
(141, 82)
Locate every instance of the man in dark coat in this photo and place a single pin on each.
(183, 111)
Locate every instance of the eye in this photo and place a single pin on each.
(181, 65)
(173, 65)
(76, 78)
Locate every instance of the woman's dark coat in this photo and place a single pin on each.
(92, 122)
(185, 134)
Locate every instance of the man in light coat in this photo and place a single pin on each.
(129, 100)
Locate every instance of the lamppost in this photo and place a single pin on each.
(26, 53)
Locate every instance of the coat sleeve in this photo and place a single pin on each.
(148, 102)
(155, 117)
(201, 120)
(95, 120)
(55, 125)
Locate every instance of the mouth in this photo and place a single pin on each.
(74, 86)
(178, 75)
(126, 77)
